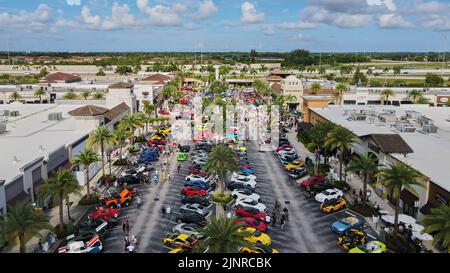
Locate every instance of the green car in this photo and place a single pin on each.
(182, 157)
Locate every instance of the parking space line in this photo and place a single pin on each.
(349, 213)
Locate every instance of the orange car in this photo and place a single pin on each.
(113, 199)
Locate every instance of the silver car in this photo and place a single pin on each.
(188, 229)
(202, 210)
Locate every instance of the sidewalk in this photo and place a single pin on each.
(76, 212)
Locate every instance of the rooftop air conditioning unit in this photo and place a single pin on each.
(4, 113)
(349, 112)
(387, 118)
(425, 121)
(430, 129)
(14, 113)
(412, 114)
(389, 111)
(356, 116)
(405, 128)
(55, 116)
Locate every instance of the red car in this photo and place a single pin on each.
(164, 112)
(246, 166)
(313, 180)
(162, 140)
(105, 213)
(191, 191)
(250, 212)
(254, 223)
(184, 102)
(194, 170)
(284, 146)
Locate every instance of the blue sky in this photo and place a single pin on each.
(225, 25)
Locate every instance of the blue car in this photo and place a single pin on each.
(247, 171)
(199, 184)
(342, 225)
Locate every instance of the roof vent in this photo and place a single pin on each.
(4, 113)
(14, 113)
(405, 128)
(2, 127)
(55, 116)
(430, 129)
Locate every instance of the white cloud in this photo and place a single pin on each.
(37, 20)
(206, 9)
(120, 18)
(316, 14)
(390, 4)
(296, 25)
(250, 14)
(162, 15)
(393, 20)
(268, 30)
(88, 19)
(73, 2)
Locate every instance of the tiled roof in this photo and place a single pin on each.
(274, 78)
(157, 78)
(60, 76)
(390, 143)
(88, 111)
(117, 111)
(121, 85)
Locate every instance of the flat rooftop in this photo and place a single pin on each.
(431, 154)
(31, 129)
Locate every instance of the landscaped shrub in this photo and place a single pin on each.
(85, 201)
(222, 199)
(342, 185)
(140, 139)
(69, 229)
(363, 209)
(399, 243)
(120, 162)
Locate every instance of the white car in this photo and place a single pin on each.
(250, 183)
(328, 195)
(196, 177)
(244, 193)
(247, 202)
(243, 179)
(240, 176)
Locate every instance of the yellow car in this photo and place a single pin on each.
(164, 131)
(351, 238)
(257, 236)
(370, 247)
(156, 137)
(180, 250)
(333, 205)
(259, 248)
(294, 165)
(177, 240)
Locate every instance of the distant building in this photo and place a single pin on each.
(60, 77)
(293, 86)
(122, 92)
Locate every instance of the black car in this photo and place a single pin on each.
(318, 188)
(185, 148)
(191, 218)
(196, 199)
(289, 158)
(298, 173)
(89, 224)
(129, 180)
(238, 185)
(86, 235)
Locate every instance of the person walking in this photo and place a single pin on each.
(126, 241)
(40, 246)
(283, 221)
(179, 168)
(286, 213)
(138, 202)
(274, 219)
(134, 240)
(127, 226)
(169, 211)
(130, 248)
(163, 209)
(124, 226)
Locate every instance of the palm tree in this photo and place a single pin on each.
(282, 100)
(367, 165)
(130, 122)
(85, 159)
(341, 88)
(399, 176)
(315, 88)
(23, 222)
(342, 140)
(223, 236)
(70, 96)
(15, 96)
(438, 222)
(385, 94)
(221, 161)
(169, 91)
(140, 121)
(86, 94)
(98, 95)
(99, 138)
(58, 188)
(119, 137)
(38, 93)
(150, 107)
(415, 95)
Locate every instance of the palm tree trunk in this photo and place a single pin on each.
(341, 158)
(397, 206)
(103, 159)
(364, 187)
(22, 248)
(61, 215)
(88, 190)
(120, 150)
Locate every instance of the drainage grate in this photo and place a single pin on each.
(156, 199)
(287, 202)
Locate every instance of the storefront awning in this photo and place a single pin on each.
(425, 209)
